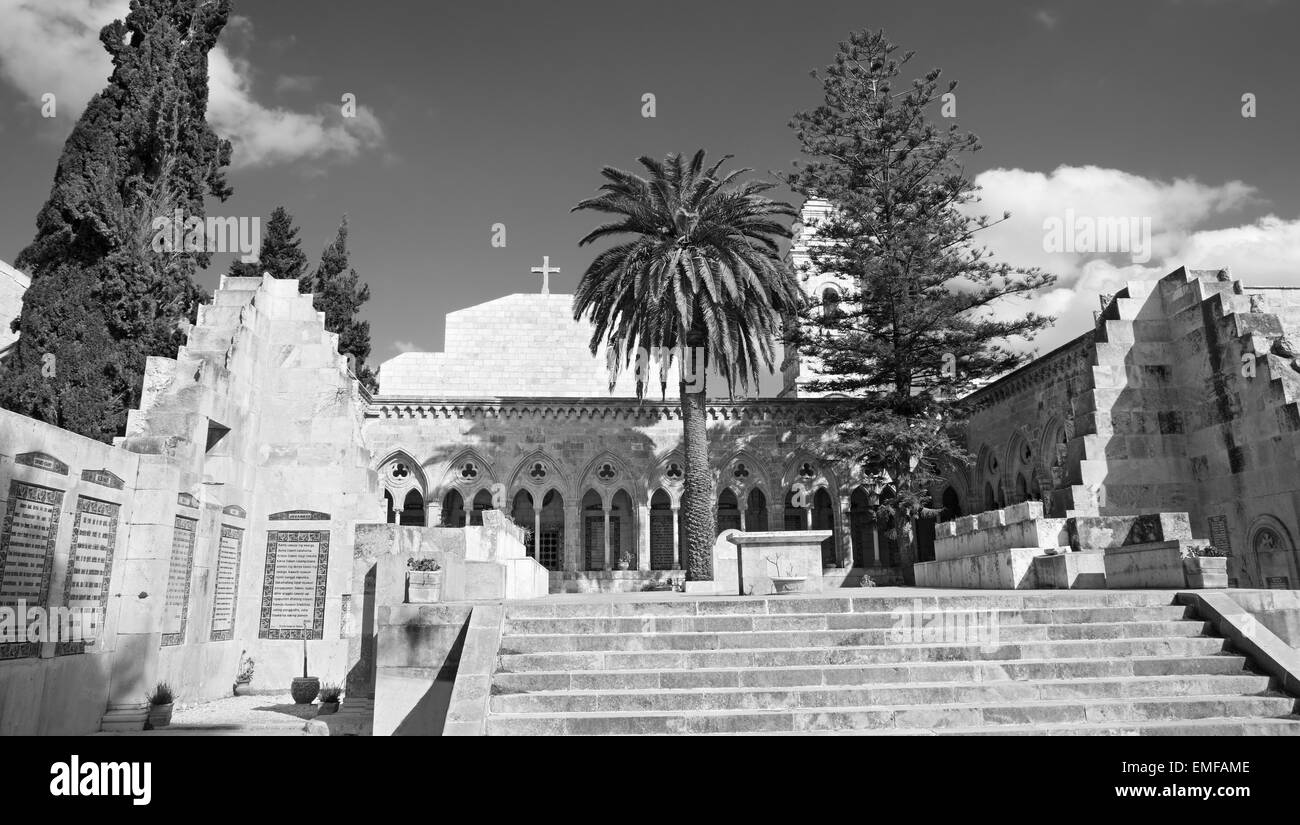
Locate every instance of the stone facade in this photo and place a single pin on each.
(13, 285)
(518, 415)
(1182, 399)
(220, 525)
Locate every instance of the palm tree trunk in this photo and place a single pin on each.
(697, 498)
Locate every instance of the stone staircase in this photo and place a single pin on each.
(1001, 663)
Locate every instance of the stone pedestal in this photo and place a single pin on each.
(746, 563)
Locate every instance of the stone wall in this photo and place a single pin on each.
(517, 346)
(13, 285)
(1178, 401)
(240, 481)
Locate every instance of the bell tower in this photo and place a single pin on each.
(826, 289)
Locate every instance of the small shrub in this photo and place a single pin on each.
(331, 693)
(422, 565)
(162, 695)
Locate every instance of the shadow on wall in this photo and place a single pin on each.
(429, 714)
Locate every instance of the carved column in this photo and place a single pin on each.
(677, 537)
(572, 535)
(844, 532)
(605, 510)
(643, 536)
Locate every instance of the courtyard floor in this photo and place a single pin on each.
(268, 715)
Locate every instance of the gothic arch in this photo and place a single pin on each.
(987, 476)
(399, 473)
(1265, 529)
(958, 477)
(823, 475)
(757, 474)
(456, 475)
(525, 476)
(662, 478)
(594, 475)
(1019, 461)
(1048, 454)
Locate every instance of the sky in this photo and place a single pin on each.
(472, 114)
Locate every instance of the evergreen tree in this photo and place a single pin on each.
(105, 294)
(281, 255)
(337, 294)
(913, 332)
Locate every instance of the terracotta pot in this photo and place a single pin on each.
(326, 708)
(789, 584)
(1206, 572)
(423, 587)
(243, 688)
(305, 690)
(160, 716)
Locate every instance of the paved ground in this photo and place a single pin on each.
(275, 715)
(840, 593)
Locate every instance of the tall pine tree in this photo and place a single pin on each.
(914, 331)
(337, 294)
(281, 255)
(102, 299)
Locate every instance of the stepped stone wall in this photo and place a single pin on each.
(1182, 399)
(220, 524)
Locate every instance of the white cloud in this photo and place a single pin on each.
(1264, 252)
(1046, 19)
(53, 46)
(403, 347)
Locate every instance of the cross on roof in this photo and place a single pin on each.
(545, 270)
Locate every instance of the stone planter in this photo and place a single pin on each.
(623, 565)
(1206, 572)
(326, 708)
(243, 688)
(160, 716)
(305, 689)
(789, 584)
(423, 587)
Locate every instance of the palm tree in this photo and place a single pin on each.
(702, 271)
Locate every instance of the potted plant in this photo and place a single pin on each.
(243, 676)
(304, 688)
(1205, 566)
(423, 581)
(329, 699)
(624, 560)
(160, 707)
(786, 583)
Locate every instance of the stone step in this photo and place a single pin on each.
(841, 621)
(835, 621)
(959, 634)
(1055, 712)
(935, 693)
(666, 604)
(1288, 726)
(859, 655)
(963, 672)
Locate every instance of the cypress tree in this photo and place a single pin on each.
(105, 295)
(281, 255)
(337, 294)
